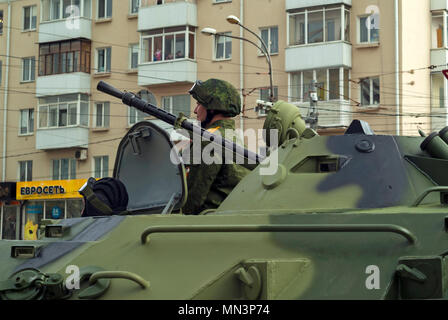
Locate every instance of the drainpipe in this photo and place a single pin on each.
(241, 62)
(5, 103)
(397, 70)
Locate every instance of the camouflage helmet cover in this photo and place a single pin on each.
(219, 95)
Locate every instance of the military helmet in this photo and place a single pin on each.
(219, 95)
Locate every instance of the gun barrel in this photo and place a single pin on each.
(132, 100)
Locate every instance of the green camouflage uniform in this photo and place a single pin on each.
(209, 185)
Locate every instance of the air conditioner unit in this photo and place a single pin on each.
(81, 154)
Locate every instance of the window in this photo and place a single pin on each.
(103, 56)
(177, 104)
(101, 166)
(437, 90)
(134, 6)
(369, 29)
(329, 83)
(28, 69)
(29, 18)
(64, 169)
(133, 56)
(438, 27)
(319, 25)
(26, 121)
(26, 170)
(102, 114)
(104, 9)
(63, 111)
(1, 22)
(61, 9)
(270, 38)
(223, 46)
(370, 91)
(64, 57)
(168, 44)
(135, 116)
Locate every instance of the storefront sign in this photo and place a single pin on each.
(52, 189)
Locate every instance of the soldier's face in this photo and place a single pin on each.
(200, 112)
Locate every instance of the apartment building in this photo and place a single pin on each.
(55, 125)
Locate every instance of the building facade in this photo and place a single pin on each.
(375, 60)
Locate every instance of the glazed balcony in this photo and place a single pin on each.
(170, 14)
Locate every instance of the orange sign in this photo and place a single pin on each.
(51, 189)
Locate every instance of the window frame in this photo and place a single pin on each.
(28, 168)
(29, 121)
(101, 169)
(305, 12)
(163, 33)
(31, 71)
(171, 104)
(369, 34)
(132, 46)
(268, 45)
(371, 92)
(105, 115)
(131, 7)
(71, 162)
(33, 13)
(80, 57)
(56, 105)
(343, 86)
(106, 57)
(105, 9)
(215, 45)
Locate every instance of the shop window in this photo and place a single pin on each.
(55, 209)
(74, 208)
(10, 223)
(34, 212)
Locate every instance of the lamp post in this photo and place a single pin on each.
(263, 49)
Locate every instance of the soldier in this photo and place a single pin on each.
(209, 184)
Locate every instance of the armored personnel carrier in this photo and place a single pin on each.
(356, 216)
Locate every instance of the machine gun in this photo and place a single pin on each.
(132, 100)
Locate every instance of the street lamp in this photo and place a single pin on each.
(234, 20)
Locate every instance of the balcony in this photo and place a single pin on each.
(57, 30)
(333, 113)
(177, 13)
(299, 4)
(439, 5)
(317, 56)
(167, 72)
(62, 138)
(65, 83)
